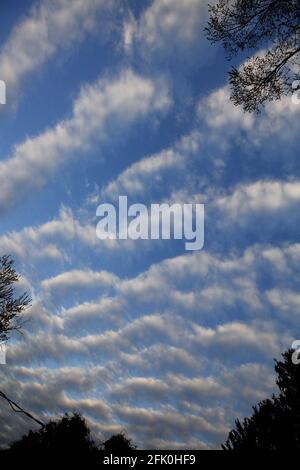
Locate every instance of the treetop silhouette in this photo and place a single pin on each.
(272, 28)
(69, 435)
(275, 423)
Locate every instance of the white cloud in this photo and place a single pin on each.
(48, 27)
(46, 241)
(167, 422)
(204, 387)
(135, 178)
(106, 308)
(251, 381)
(129, 30)
(137, 389)
(156, 353)
(214, 284)
(285, 300)
(219, 112)
(175, 333)
(237, 335)
(227, 120)
(167, 26)
(143, 175)
(79, 279)
(121, 100)
(261, 196)
(162, 357)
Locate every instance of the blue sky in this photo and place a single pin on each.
(109, 98)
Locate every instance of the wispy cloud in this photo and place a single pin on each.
(148, 173)
(167, 26)
(122, 100)
(48, 27)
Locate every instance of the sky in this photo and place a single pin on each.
(127, 97)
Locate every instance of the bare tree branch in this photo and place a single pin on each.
(273, 26)
(11, 307)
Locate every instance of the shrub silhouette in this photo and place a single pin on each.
(275, 423)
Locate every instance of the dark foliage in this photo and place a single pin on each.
(11, 307)
(118, 443)
(275, 423)
(68, 436)
(273, 26)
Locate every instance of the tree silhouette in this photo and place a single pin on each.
(11, 307)
(118, 443)
(275, 423)
(273, 26)
(68, 436)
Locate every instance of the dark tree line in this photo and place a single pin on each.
(275, 423)
(71, 436)
(271, 28)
